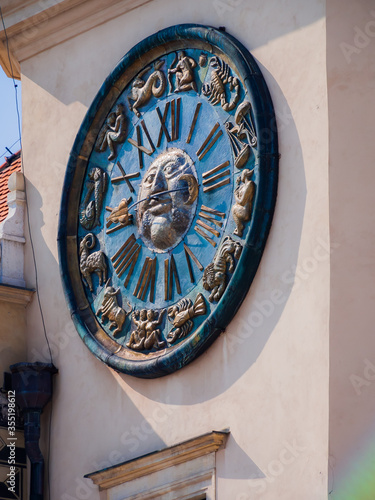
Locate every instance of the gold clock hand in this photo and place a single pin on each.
(155, 196)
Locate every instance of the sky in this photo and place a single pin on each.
(8, 115)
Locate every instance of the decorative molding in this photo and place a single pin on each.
(15, 295)
(194, 483)
(35, 26)
(11, 68)
(12, 238)
(159, 460)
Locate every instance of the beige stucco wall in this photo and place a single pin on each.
(12, 334)
(351, 104)
(266, 379)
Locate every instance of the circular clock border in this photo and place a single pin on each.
(165, 41)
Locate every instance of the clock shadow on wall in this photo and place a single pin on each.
(167, 204)
(261, 310)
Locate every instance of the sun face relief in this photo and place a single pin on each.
(167, 200)
(175, 200)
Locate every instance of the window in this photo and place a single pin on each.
(186, 471)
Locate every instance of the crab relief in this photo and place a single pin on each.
(181, 316)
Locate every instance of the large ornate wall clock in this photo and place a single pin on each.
(168, 200)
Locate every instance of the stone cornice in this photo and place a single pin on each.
(159, 460)
(37, 25)
(15, 295)
(12, 67)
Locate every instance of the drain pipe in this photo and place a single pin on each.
(32, 383)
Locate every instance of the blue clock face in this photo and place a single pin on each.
(168, 201)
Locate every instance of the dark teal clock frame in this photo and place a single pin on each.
(173, 38)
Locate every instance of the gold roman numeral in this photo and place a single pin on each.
(209, 142)
(175, 111)
(138, 143)
(146, 278)
(126, 258)
(170, 272)
(212, 176)
(189, 255)
(212, 211)
(194, 122)
(125, 177)
(163, 127)
(175, 106)
(209, 214)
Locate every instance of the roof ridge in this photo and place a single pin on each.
(9, 160)
(13, 164)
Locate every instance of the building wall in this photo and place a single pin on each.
(266, 378)
(13, 350)
(12, 333)
(351, 101)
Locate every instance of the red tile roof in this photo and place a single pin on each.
(12, 164)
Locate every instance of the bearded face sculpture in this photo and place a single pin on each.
(167, 199)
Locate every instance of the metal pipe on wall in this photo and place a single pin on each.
(32, 383)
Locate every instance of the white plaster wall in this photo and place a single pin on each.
(351, 100)
(268, 383)
(12, 335)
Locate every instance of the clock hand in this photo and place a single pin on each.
(153, 196)
(123, 211)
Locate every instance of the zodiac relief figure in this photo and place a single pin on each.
(215, 90)
(146, 335)
(153, 333)
(245, 123)
(90, 210)
(202, 61)
(214, 276)
(120, 214)
(181, 315)
(111, 310)
(91, 263)
(141, 91)
(243, 130)
(113, 131)
(244, 195)
(184, 71)
(137, 337)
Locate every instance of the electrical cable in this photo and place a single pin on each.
(10, 147)
(31, 241)
(23, 169)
